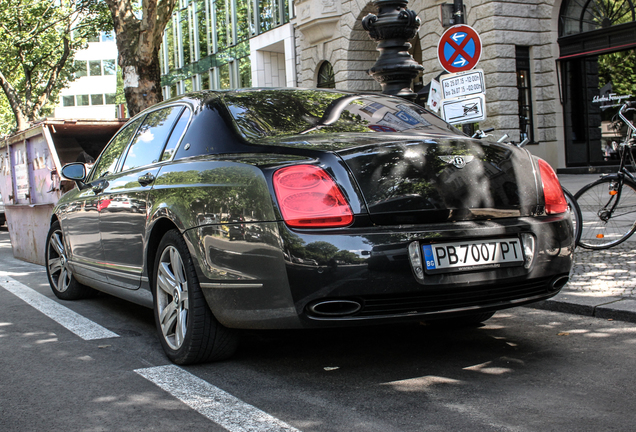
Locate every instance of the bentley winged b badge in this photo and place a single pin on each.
(459, 161)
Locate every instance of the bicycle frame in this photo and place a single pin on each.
(626, 148)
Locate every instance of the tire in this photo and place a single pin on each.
(188, 331)
(577, 217)
(600, 229)
(61, 279)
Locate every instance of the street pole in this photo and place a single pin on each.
(458, 15)
(392, 28)
(458, 11)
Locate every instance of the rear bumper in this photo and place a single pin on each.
(364, 276)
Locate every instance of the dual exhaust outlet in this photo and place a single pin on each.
(341, 308)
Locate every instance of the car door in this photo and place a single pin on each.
(81, 220)
(123, 220)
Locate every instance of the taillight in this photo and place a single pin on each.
(308, 197)
(554, 199)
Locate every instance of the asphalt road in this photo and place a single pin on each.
(525, 370)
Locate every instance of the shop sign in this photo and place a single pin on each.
(610, 98)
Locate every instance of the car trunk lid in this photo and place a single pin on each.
(436, 180)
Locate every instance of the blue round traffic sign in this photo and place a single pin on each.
(459, 49)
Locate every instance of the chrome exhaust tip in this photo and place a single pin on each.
(335, 308)
(558, 283)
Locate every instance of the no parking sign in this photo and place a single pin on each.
(459, 48)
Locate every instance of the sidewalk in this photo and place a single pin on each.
(603, 283)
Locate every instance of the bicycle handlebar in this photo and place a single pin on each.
(482, 133)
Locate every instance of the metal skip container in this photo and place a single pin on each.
(30, 163)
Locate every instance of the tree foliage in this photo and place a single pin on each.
(37, 42)
(619, 68)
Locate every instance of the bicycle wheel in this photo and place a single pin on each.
(609, 212)
(577, 218)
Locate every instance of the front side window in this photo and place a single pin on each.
(107, 162)
(151, 137)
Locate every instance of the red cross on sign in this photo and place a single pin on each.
(459, 49)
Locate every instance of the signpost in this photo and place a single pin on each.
(459, 48)
(463, 89)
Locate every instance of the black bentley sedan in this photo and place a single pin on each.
(292, 208)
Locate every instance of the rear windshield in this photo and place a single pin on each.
(280, 113)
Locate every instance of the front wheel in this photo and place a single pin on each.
(608, 208)
(577, 217)
(188, 331)
(61, 279)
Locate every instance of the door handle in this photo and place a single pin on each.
(99, 186)
(146, 179)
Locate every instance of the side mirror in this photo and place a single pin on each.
(75, 171)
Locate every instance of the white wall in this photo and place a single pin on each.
(88, 85)
(273, 58)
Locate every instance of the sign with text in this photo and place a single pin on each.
(462, 84)
(464, 110)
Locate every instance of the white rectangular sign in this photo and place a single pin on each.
(462, 84)
(466, 110)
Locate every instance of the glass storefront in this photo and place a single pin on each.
(598, 74)
(206, 44)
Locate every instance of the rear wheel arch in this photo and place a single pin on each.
(159, 230)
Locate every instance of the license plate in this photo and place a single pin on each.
(469, 255)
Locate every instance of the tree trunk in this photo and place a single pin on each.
(21, 122)
(138, 43)
(142, 84)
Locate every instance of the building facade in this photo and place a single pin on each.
(92, 94)
(555, 69)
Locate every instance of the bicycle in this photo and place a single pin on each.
(573, 205)
(608, 205)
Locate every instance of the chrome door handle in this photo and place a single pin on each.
(146, 179)
(99, 186)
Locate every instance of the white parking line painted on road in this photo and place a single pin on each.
(219, 406)
(81, 326)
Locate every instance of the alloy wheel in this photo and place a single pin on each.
(172, 297)
(57, 262)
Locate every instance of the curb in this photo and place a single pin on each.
(613, 308)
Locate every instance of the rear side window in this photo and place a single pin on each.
(207, 134)
(111, 155)
(176, 134)
(151, 137)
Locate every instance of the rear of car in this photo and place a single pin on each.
(386, 213)
(297, 208)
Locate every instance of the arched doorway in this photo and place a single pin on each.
(597, 41)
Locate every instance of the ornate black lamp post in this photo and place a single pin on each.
(392, 28)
